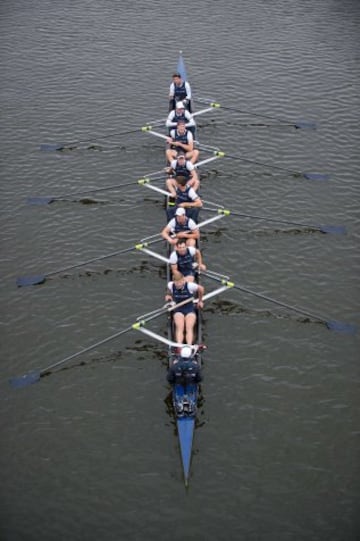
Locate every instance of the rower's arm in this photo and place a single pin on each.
(194, 176)
(174, 268)
(170, 122)
(200, 293)
(168, 295)
(192, 234)
(199, 259)
(192, 204)
(165, 233)
(187, 147)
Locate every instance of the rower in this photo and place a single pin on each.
(178, 290)
(185, 370)
(180, 166)
(181, 140)
(179, 113)
(179, 91)
(181, 227)
(185, 197)
(186, 259)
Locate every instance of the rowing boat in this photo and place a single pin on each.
(185, 396)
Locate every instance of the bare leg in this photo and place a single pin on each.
(170, 154)
(193, 156)
(171, 185)
(195, 183)
(191, 242)
(179, 320)
(190, 320)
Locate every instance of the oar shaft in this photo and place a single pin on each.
(265, 297)
(260, 115)
(95, 190)
(101, 258)
(93, 346)
(293, 172)
(280, 303)
(93, 260)
(275, 220)
(101, 137)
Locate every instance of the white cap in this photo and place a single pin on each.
(180, 105)
(186, 352)
(180, 211)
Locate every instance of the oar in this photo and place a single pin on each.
(47, 199)
(309, 176)
(330, 324)
(300, 124)
(34, 377)
(63, 146)
(40, 278)
(334, 229)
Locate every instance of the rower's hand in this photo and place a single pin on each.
(169, 140)
(201, 304)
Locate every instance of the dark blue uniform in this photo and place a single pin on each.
(179, 95)
(180, 295)
(185, 263)
(179, 228)
(181, 171)
(180, 92)
(184, 372)
(181, 138)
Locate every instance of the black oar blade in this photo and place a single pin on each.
(340, 326)
(334, 229)
(316, 176)
(51, 146)
(305, 125)
(24, 281)
(25, 380)
(46, 200)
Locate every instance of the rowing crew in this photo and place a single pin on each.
(181, 231)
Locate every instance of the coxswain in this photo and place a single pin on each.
(185, 370)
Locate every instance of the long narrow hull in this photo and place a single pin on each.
(185, 429)
(185, 398)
